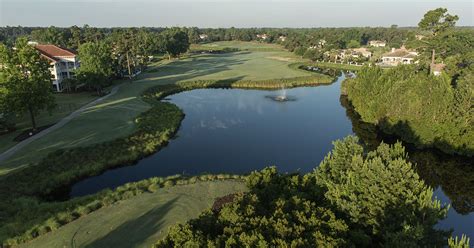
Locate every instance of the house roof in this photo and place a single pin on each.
(53, 59)
(52, 51)
(362, 50)
(400, 53)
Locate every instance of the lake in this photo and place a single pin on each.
(238, 131)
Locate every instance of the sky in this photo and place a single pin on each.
(226, 13)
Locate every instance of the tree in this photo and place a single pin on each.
(174, 42)
(143, 47)
(313, 54)
(96, 65)
(76, 37)
(193, 35)
(357, 184)
(437, 20)
(50, 35)
(124, 44)
(353, 44)
(300, 51)
(91, 34)
(26, 85)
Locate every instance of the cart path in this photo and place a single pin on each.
(8, 153)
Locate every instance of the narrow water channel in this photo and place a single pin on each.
(238, 131)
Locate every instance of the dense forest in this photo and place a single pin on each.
(73, 36)
(343, 203)
(420, 108)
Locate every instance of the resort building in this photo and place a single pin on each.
(63, 63)
(399, 56)
(203, 36)
(282, 38)
(377, 43)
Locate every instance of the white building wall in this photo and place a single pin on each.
(63, 69)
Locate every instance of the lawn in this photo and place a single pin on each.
(139, 221)
(114, 117)
(241, 45)
(66, 103)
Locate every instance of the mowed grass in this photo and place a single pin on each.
(242, 45)
(141, 220)
(66, 104)
(114, 117)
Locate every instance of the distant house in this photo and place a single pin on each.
(282, 38)
(354, 53)
(203, 36)
(362, 51)
(377, 43)
(262, 36)
(63, 62)
(419, 37)
(399, 56)
(321, 43)
(436, 69)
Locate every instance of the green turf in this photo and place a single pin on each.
(242, 45)
(66, 103)
(139, 221)
(114, 117)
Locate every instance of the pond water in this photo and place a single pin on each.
(238, 131)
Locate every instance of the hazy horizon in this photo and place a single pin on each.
(226, 13)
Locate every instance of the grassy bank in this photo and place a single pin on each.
(139, 220)
(66, 104)
(119, 207)
(23, 192)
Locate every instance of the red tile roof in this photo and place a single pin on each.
(52, 51)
